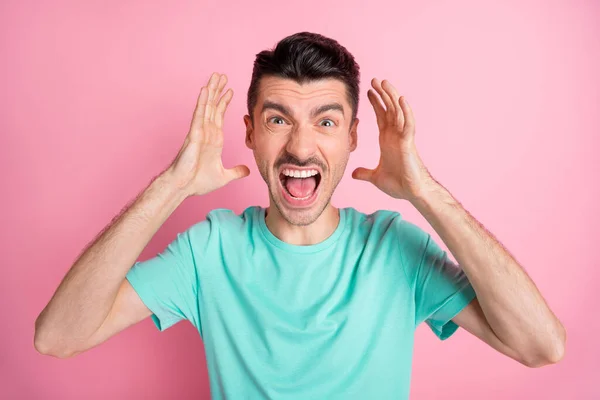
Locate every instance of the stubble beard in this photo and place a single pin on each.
(308, 216)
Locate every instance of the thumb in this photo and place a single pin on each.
(363, 174)
(237, 172)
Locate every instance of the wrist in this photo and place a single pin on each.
(424, 190)
(428, 192)
(432, 198)
(166, 184)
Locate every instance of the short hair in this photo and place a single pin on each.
(304, 57)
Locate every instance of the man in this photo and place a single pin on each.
(302, 299)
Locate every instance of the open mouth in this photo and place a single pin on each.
(300, 186)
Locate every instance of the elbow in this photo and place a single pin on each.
(45, 345)
(553, 355)
(539, 362)
(47, 349)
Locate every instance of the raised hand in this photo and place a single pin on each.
(400, 173)
(198, 168)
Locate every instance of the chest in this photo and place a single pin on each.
(308, 296)
(339, 319)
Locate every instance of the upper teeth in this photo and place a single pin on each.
(294, 173)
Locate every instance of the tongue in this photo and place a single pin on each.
(301, 187)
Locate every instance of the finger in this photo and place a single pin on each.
(394, 95)
(363, 174)
(237, 172)
(222, 107)
(377, 106)
(198, 117)
(212, 87)
(220, 85)
(389, 105)
(409, 117)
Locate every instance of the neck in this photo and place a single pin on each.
(303, 235)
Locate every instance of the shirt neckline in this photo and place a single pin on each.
(293, 248)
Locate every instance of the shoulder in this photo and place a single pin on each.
(222, 220)
(388, 227)
(379, 221)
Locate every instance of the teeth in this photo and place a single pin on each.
(300, 174)
(301, 198)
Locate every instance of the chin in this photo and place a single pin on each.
(299, 211)
(300, 217)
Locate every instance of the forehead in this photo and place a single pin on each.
(295, 95)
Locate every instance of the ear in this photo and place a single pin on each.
(249, 132)
(354, 135)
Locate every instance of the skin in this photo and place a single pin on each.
(95, 301)
(321, 141)
(509, 313)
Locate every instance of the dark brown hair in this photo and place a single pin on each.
(304, 57)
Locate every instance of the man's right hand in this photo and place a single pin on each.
(198, 168)
(94, 301)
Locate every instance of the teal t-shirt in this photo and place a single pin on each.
(334, 320)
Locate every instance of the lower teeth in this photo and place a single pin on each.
(298, 198)
(301, 198)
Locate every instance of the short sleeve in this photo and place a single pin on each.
(168, 283)
(441, 287)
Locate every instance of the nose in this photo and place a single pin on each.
(302, 143)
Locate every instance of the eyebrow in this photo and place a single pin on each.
(286, 111)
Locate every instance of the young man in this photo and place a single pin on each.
(302, 299)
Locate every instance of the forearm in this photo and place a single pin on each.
(87, 292)
(512, 304)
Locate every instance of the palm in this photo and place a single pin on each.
(393, 164)
(198, 166)
(400, 172)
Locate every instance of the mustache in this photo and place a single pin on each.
(288, 158)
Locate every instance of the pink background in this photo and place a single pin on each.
(97, 98)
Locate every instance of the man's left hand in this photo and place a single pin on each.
(400, 173)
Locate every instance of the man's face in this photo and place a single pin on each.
(302, 137)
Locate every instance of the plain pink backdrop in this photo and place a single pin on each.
(96, 99)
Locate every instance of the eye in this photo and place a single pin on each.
(331, 123)
(277, 119)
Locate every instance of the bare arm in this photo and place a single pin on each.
(95, 301)
(509, 313)
(512, 305)
(86, 295)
